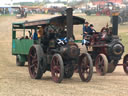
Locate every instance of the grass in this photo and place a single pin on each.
(124, 40)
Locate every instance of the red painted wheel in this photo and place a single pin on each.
(34, 65)
(125, 64)
(57, 68)
(85, 67)
(101, 64)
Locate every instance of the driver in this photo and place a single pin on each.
(87, 29)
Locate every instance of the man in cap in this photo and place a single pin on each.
(86, 28)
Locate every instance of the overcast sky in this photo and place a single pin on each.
(8, 1)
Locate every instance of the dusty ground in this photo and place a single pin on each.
(15, 81)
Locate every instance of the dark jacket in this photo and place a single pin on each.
(88, 30)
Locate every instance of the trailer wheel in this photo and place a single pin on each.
(85, 67)
(18, 62)
(35, 60)
(68, 71)
(101, 64)
(57, 68)
(125, 64)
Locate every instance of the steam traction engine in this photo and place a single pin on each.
(107, 48)
(59, 58)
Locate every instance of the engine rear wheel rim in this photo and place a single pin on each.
(33, 63)
(57, 69)
(101, 64)
(125, 64)
(85, 67)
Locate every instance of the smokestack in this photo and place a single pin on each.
(115, 23)
(69, 21)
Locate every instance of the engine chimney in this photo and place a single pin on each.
(69, 21)
(115, 23)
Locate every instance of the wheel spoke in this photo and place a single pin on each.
(85, 72)
(53, 62)
(56, 68)
(102, 70)
(85, 69)
(34, 61)
(101, 64)
(99, 59)
(31, 56)
(31, 66)
(34, 71)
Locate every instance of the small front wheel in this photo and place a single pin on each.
(85, 67)
(57, 68)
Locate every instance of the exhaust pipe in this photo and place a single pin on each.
(115, 23)
(69, 22)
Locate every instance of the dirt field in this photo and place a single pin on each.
(15, 81)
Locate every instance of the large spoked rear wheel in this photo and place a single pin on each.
(101, 64)
(18, 62)
(34, 63)
(85, 67)
(125, 64)
(57, 68)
